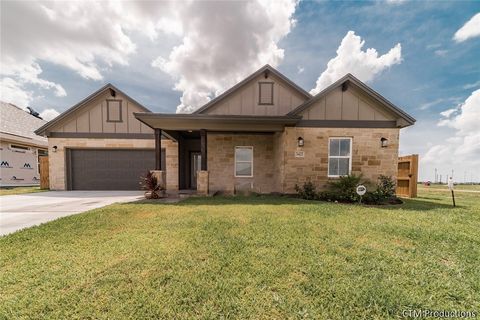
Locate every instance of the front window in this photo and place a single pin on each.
(243, 161)
(339, 157)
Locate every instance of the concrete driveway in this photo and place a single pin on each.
(26, 210)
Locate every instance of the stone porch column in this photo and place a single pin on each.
(202, 182)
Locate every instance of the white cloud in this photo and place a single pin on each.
(396, 2)
(11, 91)
(350, 58)
(49, 114)
(471, 85)
(427, 105)
(448, 113)
(222, 43)
(83, 36)
(470, 29)
(441, 52)
(300, 69)
(462, 150)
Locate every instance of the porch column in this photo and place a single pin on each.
(158, 149)
(203, 149)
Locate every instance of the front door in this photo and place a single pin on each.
(195, 165)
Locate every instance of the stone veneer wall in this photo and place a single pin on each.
(221, 162)
(367, 155)
(57, 159)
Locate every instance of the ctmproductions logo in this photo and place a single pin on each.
(4, 164)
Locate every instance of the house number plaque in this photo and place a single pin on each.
(299, 154)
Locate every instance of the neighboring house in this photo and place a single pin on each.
(265, 134)
(20, 147)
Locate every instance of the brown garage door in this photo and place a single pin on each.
(101, 169)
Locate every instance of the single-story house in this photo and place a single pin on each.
(264, 134)
(20, 147)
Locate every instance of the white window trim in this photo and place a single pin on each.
(344, 157)
(13, 148)
(235, 161)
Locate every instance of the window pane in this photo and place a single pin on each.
(343, 166)
(244, 169)
(345, 147)
(333, 167)
(243, 154)
(334, 147)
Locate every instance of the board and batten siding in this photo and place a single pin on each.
(350, 104)
(93, 118)
(245, 100)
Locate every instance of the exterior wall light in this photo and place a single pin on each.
(300, 142)
(55, 148)
(384, 142)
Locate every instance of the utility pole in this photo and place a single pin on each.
(440, 178)
(436, 177)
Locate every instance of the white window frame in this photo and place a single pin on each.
(235, 161)
(22, 149)
(341, 157)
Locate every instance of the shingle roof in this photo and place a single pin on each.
(18, 122)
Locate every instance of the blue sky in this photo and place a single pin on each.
(435, 74)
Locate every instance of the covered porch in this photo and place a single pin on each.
(191, 132)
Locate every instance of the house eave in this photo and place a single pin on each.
(185, 122)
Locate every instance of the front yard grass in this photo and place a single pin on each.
(256, 257)
(7, 191)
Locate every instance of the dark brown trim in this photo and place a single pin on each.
(260, 93)
(193, 116)
(120, 110)
(346, 124)
(203, 148)
(101, 135)
(246, 133)
(158, 149)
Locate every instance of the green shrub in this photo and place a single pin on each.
(343, 189)
(372, 197)
(307, 192)
(384, 192)
(386, 186)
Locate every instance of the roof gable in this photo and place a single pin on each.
(372, 95)
(83, 104)
(265, 70)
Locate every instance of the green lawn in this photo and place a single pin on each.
(7, 191)
(259, 257)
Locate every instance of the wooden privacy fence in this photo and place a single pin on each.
(44, 179)
(407, 176)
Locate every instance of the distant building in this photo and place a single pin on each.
(20, 147)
